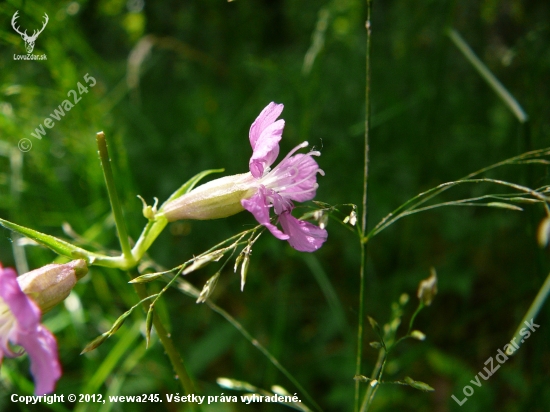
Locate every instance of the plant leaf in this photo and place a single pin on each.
(57, 245)
(190, 184)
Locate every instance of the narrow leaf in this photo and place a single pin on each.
(488, 76)
(57, 245)
(190, 184)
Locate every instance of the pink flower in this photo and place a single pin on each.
(20, 325)
(293, 179)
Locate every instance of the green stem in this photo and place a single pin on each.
(373, 385)
(148, 236)
(533, 310)
(381, 362)
(154, 228)
(113, 197)
(190, 290)
(367, 122)
(422, 198)
(170, 349)
(411, 322)
(360, 324)
(363, 242)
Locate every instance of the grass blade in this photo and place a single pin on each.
(489, 77)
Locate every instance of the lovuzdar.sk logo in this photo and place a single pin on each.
(29, 40)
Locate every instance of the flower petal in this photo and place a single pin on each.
(297, 177)
(265, 134)
(27, 332)
(303, 236)
(259, 207)
(41, 346)
(23, 309)
(268, 115)
(6, 330)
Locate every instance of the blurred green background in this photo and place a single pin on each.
(178, 85)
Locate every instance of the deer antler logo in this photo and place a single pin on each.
(29, 40)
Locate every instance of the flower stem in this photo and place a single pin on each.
(173, 354)
(363, 240)
(113, 196)
(148, 236)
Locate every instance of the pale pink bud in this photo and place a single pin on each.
(51, 284)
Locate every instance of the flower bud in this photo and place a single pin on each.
(427, 289)
(51, 284)
(216, 199)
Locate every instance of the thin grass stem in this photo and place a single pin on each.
(364, 216)
(191, 291)
(415, 202)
